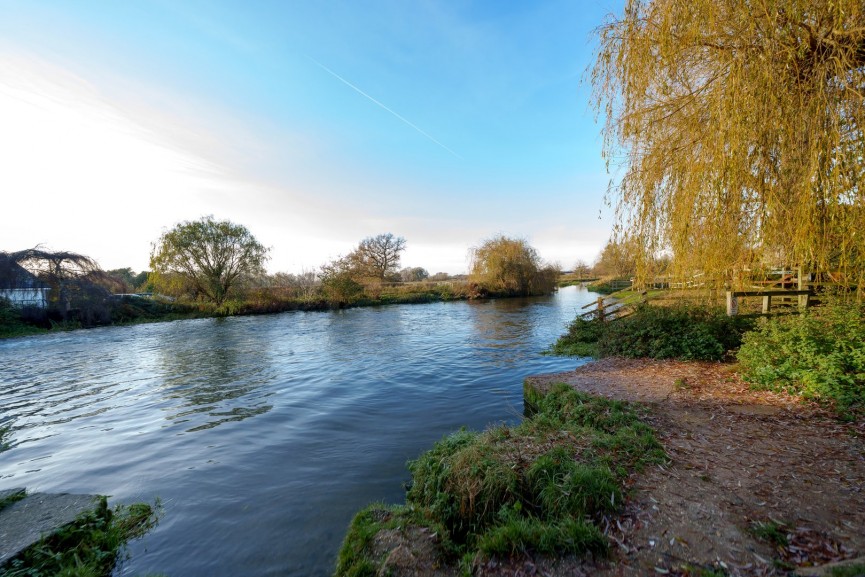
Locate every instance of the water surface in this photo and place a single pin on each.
(263, 435)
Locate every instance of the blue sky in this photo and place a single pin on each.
(314, 124)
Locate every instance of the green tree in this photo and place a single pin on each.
(212, 256)
(740, 127)
(338, 281)
(511, 266)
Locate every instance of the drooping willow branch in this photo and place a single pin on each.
(739, 125)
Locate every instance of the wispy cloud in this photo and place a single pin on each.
(364, 94)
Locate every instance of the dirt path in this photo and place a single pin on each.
(737, 457)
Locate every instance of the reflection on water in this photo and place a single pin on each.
(263, 435)
(216, 371)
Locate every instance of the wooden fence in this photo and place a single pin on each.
(802, 296)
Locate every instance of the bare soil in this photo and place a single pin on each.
(737, 457)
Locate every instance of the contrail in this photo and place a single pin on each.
(362, 93)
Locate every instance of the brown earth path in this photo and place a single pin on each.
(736, 457)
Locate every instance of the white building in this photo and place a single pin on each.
(19, 286)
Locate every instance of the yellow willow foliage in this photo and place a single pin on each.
(738, 128)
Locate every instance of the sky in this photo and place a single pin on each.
(314, 124)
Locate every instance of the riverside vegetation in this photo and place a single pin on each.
(80, 292)
(819, 354)
(89, 547)
(543, 486)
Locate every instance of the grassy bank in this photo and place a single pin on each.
(126, 310)
(542, 487)
(89, 547)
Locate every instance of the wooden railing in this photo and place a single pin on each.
(733, 297)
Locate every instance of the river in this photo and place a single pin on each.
(263, 435)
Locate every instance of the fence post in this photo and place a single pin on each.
(767, 304)
(732, 305)
(803, 299)
(601, 308)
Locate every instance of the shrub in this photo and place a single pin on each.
(819, 355)
(661, 332)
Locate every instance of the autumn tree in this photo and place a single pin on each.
(740, 129)
(377, 256)
(511, 266)
(209, 255)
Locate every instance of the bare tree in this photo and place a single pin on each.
(377, 256)
(77, 283)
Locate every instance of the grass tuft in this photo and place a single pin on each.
(539, 487)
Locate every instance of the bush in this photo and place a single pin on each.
(819, 355)
(681, 331)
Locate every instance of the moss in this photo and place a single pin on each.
(358, 556)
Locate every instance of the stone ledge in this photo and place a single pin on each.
(25, 522)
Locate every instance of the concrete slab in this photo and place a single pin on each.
(23, 523)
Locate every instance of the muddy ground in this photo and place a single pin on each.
(737, 457)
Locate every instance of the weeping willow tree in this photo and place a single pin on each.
(736, 129)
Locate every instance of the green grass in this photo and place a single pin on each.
(541, 486)
(771, 532)
(13, 498)
(89, 547)
(854, 570)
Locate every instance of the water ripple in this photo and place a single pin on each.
(263, 435)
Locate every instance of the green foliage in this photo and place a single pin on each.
(13, 323)
(581, 340)
(508, 266)
(210, 257)
(661, 332)
(89, 547)
(539, 487)
(819, 355)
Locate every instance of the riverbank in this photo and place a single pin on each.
(757, 483)
(125, 310)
